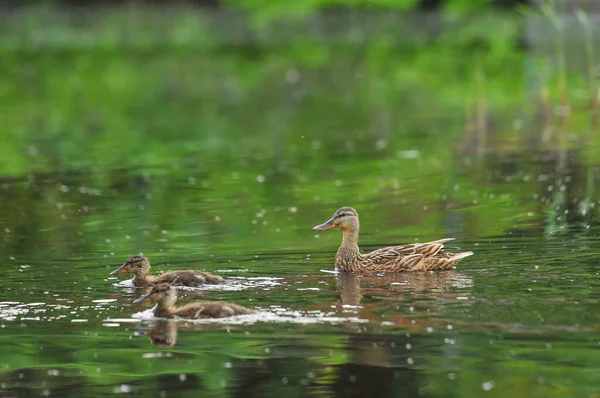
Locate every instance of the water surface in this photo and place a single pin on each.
(117, 151)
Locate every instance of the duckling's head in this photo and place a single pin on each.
(345, 218)
(161, 293)
(137, 265)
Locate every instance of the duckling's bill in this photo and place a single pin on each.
(144, 299)
(120, 270)
(326, 225)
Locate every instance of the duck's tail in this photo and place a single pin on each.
(455, 258)
(459, 256)
(442, 241)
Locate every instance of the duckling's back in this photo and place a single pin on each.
(211, 309)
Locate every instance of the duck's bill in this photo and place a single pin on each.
(120, 270)
(144, 299)
(326, 225)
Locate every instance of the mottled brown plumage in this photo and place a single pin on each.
(165, 297)
(139, 266)
(413, 257)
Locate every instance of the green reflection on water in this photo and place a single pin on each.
(222, 158)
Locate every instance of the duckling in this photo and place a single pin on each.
(165, 296)
(413, 257)
(139, 266)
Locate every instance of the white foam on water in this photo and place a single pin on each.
(125, 283)
(282, 316)
(233, 283)
(328, 271)
(10, 313)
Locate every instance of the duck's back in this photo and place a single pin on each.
(211, 309)
(413, 257)
(188, 278)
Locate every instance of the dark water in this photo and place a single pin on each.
(519, 317)
(223, 157)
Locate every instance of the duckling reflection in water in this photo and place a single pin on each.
(165, 298)
(139, 266)
(164, 334)
(413, 257)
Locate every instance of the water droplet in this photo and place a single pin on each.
(381, 144)
(292, 76)
(487, 385)
(123, 388)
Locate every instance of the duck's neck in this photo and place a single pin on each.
(165, 307)
(141, 278)
(348, 254)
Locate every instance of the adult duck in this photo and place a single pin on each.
(412, 257)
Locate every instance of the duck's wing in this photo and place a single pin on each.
(427, 249)
(188, 278)
(415, 256)
(211, 309)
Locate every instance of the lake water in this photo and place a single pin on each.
(138, 152)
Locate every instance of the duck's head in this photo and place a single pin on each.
(137, 265)
(162, 292)
(345, 218)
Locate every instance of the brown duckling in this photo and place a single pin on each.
(139, 266)
(166, 297)
(413, 257)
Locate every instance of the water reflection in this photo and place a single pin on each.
(163, 334)
(384, 359)
(400, 286)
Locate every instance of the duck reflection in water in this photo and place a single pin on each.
(163, 334)
(435, 284)
(165, 297)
